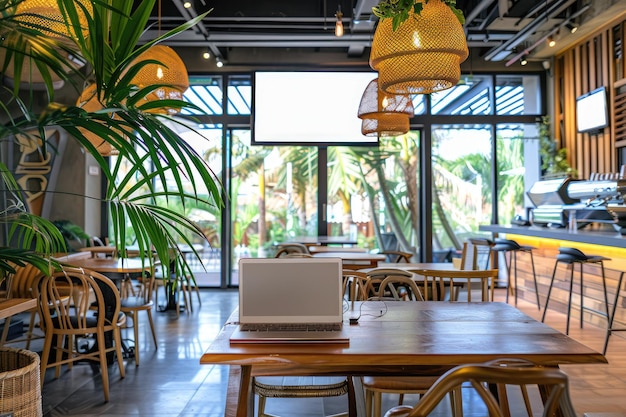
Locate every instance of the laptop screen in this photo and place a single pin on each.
(290, 290)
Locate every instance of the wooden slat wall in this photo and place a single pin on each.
(595, 62)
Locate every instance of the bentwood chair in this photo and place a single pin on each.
(92, 309)
(500, 374)
(440, 285)
(22, 284)
(131, 305)
(378, 275)
(398, 288)
(355, 285)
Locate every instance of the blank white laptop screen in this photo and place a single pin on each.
(290, 291)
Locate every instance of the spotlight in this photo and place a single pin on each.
(187, 5)
(206, 55)
(523, 61)
(551, 42)
(572, 27)
(339, 23)
(219, 63)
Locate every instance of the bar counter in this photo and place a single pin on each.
(593, 240)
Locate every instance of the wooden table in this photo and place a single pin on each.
(12, 306)
(323, 240)
(354, 260)
(401, 338)
(112, 265)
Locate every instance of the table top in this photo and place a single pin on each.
(351, 256)
(112, 265)
(323, 240)
(12, 306)
(334, 249)
(399, 335)
(436, 266)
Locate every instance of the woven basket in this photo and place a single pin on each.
(20, 388)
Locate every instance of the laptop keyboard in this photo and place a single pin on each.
(290, 327)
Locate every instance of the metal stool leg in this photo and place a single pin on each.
(545, 310)
(582, 295)
(507, 266)
(569, 303)
(532, 263)
(514, 262)
(609, 328)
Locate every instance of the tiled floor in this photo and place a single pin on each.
(171, 382)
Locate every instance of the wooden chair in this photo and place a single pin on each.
(439, 283)
(400, 288)
(23, 284)
(395, 256)
(501, 374)
(378, 275)
(92, 309)
(355, 285)
(289, 248)
(131, 305)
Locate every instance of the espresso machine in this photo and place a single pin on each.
(572, 203)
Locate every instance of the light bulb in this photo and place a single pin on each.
(339, 23)
(206, 55)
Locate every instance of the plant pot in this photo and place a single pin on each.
(20, 386)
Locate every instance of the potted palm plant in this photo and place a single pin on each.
(108, 47)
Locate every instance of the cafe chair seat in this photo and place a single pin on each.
(132, 305)
(375, 386)
(501, 374)
(303, 387)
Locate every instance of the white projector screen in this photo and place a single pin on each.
(309, 108)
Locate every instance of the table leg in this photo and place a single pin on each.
(239, 398)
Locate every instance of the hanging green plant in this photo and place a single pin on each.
(553, 159)
(400, 10)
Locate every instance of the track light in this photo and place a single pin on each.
(187, 4)
(573, 27)
(523, 61)
(339, 23)
(219, 63)
(551, 41)
(206, 55)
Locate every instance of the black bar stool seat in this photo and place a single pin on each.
(512, 248)
(572, 256)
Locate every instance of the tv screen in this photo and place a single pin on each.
(309, 108)
(591, 111)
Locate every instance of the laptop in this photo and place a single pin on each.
(290, 300)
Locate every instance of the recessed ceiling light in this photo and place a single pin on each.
(206, 55)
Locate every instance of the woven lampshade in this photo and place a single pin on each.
(423, 55)
(384, 114)
(171, 71)
(46, 14)
(89, 102)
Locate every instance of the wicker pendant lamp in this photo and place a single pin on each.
(48, 19)
(423, 55)
(89, 102)
(384, 114)
(170, 71)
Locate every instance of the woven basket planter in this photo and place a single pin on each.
(20, 387)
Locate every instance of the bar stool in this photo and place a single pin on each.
(571, 256)
(610, 329)
(512, 248)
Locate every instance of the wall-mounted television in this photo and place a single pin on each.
(309, 108)
(592, 111)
